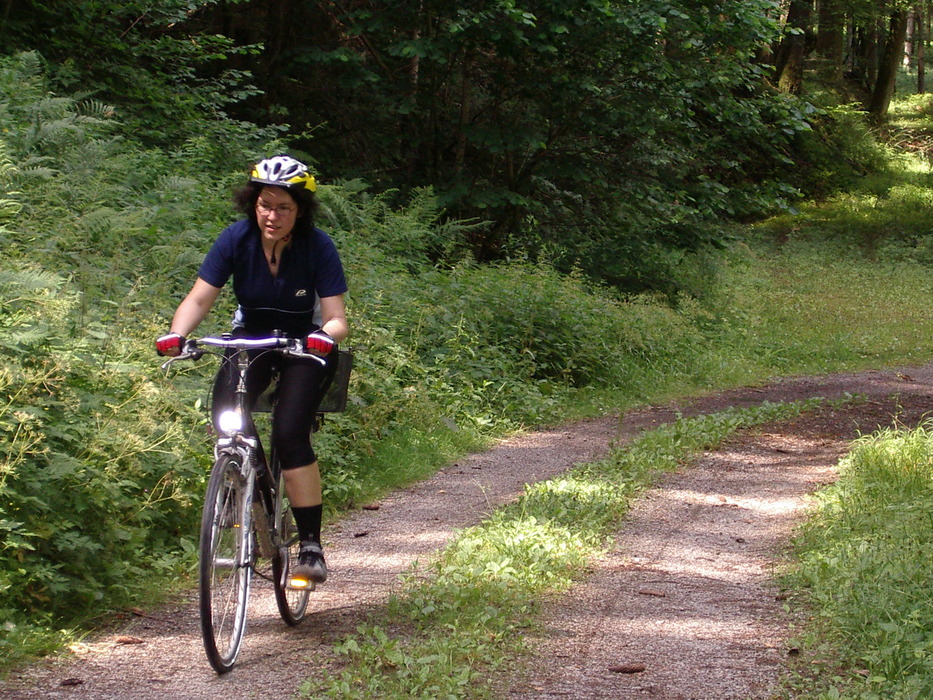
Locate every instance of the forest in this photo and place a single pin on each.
(607, 137)
(546, 210)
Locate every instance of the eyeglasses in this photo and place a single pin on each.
(282, 210)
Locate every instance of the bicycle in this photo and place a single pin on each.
(246, 514)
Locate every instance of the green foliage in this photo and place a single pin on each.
(100, 464)
(864, 564)
(613, 132)
(172, 82)
(602, 137)
(632, 124)
(414, 233)
(84, 488)
(882, 208)
(105, 202)
(843, 151)
(541, 321)
(809, 307)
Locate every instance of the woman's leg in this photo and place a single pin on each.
(301, 387)
(303, 485)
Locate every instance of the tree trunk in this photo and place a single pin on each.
(888, 66)
(466, 97)
(864, 53)
(920, 36)
(829, 37)
(790, 55)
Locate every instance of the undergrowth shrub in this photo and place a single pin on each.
(840, 150)
(864, 563)
(94, 489)
(101, 461)
(556, 327)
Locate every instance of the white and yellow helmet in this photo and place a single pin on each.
(283, 171)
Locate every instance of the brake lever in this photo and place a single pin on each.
(191, 352)
(295, 348)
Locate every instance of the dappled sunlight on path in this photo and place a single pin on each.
(685, 605)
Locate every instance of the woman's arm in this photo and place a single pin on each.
(334, 315)
(194, 307)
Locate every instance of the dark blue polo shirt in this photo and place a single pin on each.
(309, 269)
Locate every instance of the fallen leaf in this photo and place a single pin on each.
(126, 639)
(628, 668)
(657, 594)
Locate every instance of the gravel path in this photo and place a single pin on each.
(682, 607)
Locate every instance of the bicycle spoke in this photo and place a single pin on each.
(226, 553)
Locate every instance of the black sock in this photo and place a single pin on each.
(308, 521)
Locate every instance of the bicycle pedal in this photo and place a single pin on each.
(300, 584)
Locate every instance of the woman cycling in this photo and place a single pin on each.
(287, 276)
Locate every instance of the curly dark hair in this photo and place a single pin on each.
(244, 199)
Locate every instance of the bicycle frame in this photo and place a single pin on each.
(235, 442)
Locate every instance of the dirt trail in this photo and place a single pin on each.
(683, 599)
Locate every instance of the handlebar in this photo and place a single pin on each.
(193, 349)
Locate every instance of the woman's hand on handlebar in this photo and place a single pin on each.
(170, 345)
(320, 343)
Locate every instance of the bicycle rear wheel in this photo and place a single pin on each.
(226, 564)
(293, 603)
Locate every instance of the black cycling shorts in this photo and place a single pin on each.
(302, 383)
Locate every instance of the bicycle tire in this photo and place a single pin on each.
(292, 603)
(226, 566)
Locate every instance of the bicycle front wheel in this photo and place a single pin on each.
(226, 563)
(292, 602)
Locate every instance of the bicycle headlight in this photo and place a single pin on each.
(230, 422)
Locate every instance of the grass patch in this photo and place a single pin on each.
(864, 567)
(461, 619)
(408, 455)
(810, 309)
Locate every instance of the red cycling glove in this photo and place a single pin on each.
(170, 344)
(320, 343)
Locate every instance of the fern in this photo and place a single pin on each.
(9, 205)
(345, 206)
(96, 110)
(31, 303)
